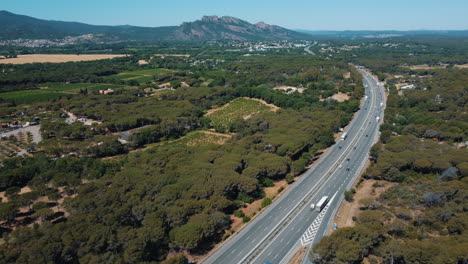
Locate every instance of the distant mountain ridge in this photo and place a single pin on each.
(231, 28)
(15, 26)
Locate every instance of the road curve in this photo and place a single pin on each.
(275, 234)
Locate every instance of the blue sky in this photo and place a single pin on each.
(294, 14)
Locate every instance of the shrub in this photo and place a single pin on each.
(266, 202)
(432, 199)
(239, 213)
(245, 219)
(348, 195)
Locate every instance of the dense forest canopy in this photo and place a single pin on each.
(169, 187)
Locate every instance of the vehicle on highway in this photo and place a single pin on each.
(343, 137)
(321, 203)
(312, 206)
(377, 118)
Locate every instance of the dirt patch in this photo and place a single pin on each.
(461, 66)
(347, 210)
(289, 89)
(340, 97)
(398, 87)
(425, 67)
(347, 75)
(299, 256)
(58, 58)
(142, 62)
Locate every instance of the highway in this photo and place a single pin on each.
(289, 224)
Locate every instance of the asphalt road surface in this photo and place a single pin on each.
(289, 223)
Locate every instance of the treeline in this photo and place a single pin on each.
(26, 76)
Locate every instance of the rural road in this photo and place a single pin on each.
(289, 224)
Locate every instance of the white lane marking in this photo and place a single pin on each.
(310, 233)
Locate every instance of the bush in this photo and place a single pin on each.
(289, 178)
(267, 182)
(239, 213)
(432, 199)
(245, 219)
(349, 195)
(266, 202)
(226, 236)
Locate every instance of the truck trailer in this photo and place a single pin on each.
(321, 203)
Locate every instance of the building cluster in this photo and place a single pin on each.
(38, 43)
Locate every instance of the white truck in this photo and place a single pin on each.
(343, 137)
(321, 203)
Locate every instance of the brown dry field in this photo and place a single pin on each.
(58, 58)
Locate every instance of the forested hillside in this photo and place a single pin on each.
(144, 172)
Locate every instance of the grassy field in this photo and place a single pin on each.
(140, 76)
(240, 108)
(52, 91)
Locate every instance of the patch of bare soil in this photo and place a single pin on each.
(142, 62)
(340, 97)
(398, 87)
(347, 75)
(425, 67)
(366, 189)
(299, 256)
(58, 58)
(289, 89)
(461, 66)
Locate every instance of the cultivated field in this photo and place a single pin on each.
(140, 76)
(57, 58)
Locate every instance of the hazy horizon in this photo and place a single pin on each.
(335, 15)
